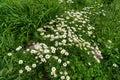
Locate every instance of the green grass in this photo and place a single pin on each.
(19, 20)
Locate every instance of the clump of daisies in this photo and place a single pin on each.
(42, 53)
(73, 28)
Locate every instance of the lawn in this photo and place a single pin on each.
(59, 40)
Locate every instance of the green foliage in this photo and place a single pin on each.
(19, 20)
